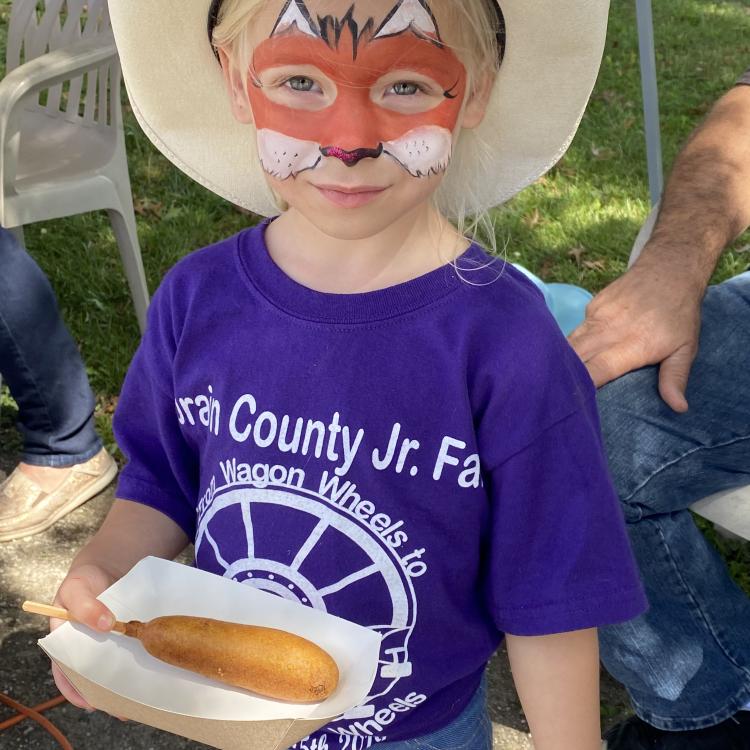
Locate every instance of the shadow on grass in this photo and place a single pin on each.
(575, 253)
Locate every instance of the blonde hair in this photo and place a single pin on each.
(475, 26)
(233, 28)
(477, 31)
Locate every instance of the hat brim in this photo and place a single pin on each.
(176, 90)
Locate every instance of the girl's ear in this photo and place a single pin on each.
(476, 105)
(236, 89)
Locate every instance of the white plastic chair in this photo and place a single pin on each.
(729, 510)
(62, 143)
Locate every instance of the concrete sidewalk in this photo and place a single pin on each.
(32, 569)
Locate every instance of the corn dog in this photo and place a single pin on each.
(270, 662)
(266, 661)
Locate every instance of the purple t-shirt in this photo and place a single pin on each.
(424, 460)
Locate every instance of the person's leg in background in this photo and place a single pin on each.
(63, 463)
(686, 662)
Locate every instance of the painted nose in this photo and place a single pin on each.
(354, 130)
(352, 158)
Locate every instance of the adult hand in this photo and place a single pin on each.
(77, 594)
(649, 316)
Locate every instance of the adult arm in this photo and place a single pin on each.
(557, 679)
(651, 315)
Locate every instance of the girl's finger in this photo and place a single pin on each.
(68, 691)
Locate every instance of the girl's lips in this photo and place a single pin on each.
(350, 197)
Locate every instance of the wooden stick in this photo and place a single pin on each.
(47, 610)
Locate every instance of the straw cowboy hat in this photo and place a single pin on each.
(553, 50)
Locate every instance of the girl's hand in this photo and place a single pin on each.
(130, 532)
(77, 594)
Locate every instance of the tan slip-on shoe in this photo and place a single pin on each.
(26, 509)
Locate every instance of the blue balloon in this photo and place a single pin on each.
(566, 302)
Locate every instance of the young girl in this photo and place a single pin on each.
(351, 405)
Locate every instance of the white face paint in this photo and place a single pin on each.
(293, 16)
(421, 152)
(283, 156)
(409, 15)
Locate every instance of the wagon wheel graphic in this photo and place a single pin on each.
(291, 535)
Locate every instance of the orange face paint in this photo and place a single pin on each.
(355, 119)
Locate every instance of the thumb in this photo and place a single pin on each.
(673, 378)
(79, 597)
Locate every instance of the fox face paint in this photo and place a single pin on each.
(330, 88)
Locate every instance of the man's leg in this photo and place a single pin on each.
(686, 662)
(41, 365)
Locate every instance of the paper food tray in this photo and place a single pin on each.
(116, 674)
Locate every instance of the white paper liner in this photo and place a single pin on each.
(156, 587)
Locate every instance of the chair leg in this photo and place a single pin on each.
(123, 225)
(17, 232)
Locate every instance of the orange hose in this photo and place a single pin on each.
(35, 714)
(18, 718)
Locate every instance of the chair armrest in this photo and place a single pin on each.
(53, 68)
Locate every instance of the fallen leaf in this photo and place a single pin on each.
(531, 220)
(602, 153)
(594, 265)
(147, 207)
(577, 253)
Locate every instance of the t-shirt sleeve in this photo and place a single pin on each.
(161, 469)
(559, 556)
(744, 78)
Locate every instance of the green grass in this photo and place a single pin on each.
(593, 202)
(597, 197)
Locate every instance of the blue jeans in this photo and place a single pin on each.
(471, 730)
(40, 363)
(686, 662)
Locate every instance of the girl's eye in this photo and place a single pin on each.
(301, 83)
(404, 88)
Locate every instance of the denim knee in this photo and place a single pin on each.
(633, 442)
